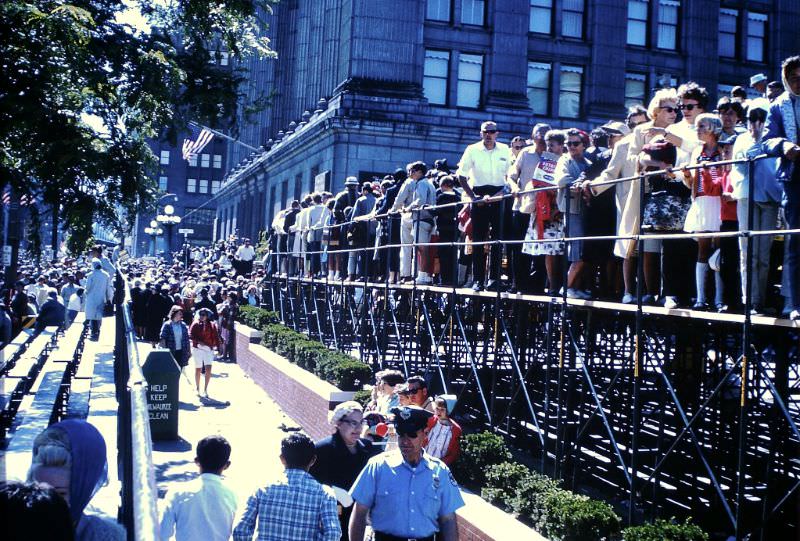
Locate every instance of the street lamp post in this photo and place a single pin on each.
(170, 220)
(154, 231)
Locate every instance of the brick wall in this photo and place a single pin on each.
(307, 399)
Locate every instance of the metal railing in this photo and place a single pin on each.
(139, 511)
(593, 389)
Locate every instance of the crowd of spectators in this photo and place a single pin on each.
(438, 226)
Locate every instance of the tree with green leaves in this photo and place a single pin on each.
(83, 90)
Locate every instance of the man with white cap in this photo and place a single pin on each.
(482, 174)
(758, 82)
(344, 199)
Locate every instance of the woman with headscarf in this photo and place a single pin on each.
(342, 456)
(71, 457)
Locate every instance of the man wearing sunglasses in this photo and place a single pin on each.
(417, 392)
(482, 174)
(408, 494)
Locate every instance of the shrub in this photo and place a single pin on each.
(502, 482)
(528, 502)
(363, 397)
(665, 530)
(255, 317)
(571, 517)
(478, 453)
(340, 369)
(349, 374)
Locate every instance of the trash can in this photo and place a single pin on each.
(163, 378)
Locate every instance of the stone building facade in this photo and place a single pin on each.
(361, 88)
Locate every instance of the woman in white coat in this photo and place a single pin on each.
(97, 293)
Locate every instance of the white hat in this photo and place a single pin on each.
(344, 409)
(757, 78)
(351, 181)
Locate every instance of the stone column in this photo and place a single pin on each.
(605, 75)
(508, 59)
(381, 47)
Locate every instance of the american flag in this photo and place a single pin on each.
(7, 196)
(25, 200)
(192, 147)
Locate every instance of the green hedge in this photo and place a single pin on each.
(479, 452)
(665, 530)
(255, 317)
(541, 502)
(340, 369)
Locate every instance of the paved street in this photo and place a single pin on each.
(251, 423)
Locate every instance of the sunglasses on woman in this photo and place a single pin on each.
(574, 143)
(688, 106)
(670, 109)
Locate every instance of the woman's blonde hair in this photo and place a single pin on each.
(665, 94)
(51, 449)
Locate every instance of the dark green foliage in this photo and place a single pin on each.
(343, 371)
(478, 453)
(363, 397)
(83, 91)
(502, 482)
(256, 317)
(665, 530)
(571, 517)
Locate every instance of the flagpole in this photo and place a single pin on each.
(220, 134)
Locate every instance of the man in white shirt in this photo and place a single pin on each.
(245, 255)
(415, 227)
(203, 508)
(482, 174)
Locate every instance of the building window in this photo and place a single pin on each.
(199, 216)
(191, 185)
(162, 184)
(217, 161)
(438, 10)
(164, 157)
(470, 72)
(668, 24)
(569, 98)
(434, 81)
(637, 22)
(223, 58)
(634, 89)
(541, 17)
(193, 160)
(472, 12)
(215, 185)
(756, 34)
(205, 160)
(539, 87)
(572, 18)
(203, 186)
(727, 32)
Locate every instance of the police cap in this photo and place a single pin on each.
(408, 419)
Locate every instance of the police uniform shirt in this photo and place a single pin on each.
(406, 501)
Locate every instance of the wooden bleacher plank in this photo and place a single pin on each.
(14, 348)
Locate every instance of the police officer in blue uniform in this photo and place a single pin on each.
(408, 494)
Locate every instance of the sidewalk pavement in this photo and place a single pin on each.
(252, 423)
